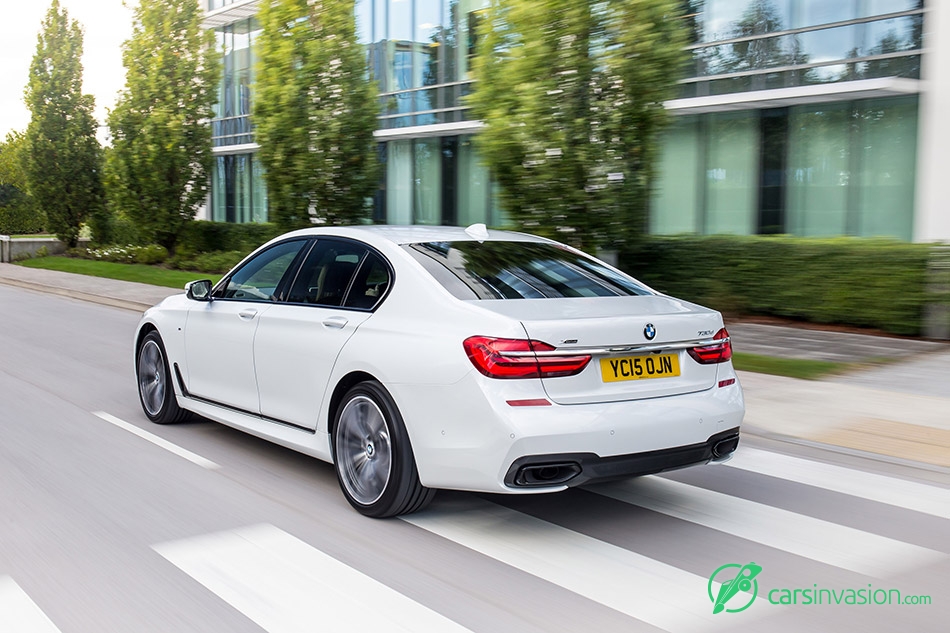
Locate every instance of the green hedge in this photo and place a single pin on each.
(218, 262)
(202, 236)
(862, 282)
(17, 215)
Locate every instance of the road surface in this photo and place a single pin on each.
(110, 523)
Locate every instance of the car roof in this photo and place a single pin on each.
(415, 234)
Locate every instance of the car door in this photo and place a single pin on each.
(219, 335)
(298, 341)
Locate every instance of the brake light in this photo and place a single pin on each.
(712, 354)
(516, 358)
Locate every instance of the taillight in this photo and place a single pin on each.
(517, 358)
(712, 354)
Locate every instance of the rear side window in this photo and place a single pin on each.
(371, 282)
(325, 275)
(520, 270)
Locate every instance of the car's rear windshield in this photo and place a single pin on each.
(519, 270)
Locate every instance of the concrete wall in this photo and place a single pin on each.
(12, 250)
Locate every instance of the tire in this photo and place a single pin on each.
(154, 380)
(373, 457)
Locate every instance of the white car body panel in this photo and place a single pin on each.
(276, 378)
(295, 350)
(219, 352)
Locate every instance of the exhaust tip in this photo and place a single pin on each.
(547, 474)
(725, 447)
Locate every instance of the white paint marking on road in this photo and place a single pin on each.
(287, 586)
(648, 590)
(19, 613)
(806, 536)
(888, 490)
(157, 441)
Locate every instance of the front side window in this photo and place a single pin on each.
(259, 279)
(520, 270)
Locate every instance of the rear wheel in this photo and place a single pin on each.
(156, 392)
(372, 455)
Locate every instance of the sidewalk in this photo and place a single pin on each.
(900, 410)
(111, 292)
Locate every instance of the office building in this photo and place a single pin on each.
(807, 117)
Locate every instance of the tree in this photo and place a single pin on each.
(63, 165)
(18, 214)
(314, 113)
(157, 170)
(571, 94)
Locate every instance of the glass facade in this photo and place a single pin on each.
(436, 180)
(844, 168)
(743, 45)
(238, 193)
(836, 168)
(420, 52)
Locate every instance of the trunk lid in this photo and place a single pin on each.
(625, 363)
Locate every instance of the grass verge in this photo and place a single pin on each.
(791, 367)
(126, 272)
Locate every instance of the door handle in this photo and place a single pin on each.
(247, 314)
(335, 323)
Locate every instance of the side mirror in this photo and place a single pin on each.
(198, 290)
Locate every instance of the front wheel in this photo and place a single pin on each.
(372, 455)
(156, 392)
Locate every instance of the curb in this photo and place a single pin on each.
(125, 304)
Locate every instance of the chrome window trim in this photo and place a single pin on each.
(636, 348)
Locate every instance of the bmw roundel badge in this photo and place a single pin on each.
(649, 331)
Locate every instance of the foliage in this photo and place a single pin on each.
(157, 170)
(124, 231)
(571, 94)
(13, 154)
(63, 165)
(208, 237)
(212, 262)
(18, 214)
(315, 112)
(862, 282)
(129, 254)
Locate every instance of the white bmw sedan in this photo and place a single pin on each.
(417, 358)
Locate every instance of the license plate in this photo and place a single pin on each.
(640, 367)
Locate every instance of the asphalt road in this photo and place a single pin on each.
(105, 528)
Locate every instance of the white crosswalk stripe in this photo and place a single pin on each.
(18, 613)
(881, 488)
(287, 586)
(806, 536)
(659, 594)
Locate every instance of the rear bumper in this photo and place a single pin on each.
(466, 437)
(576, 469)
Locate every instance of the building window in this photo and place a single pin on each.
(845, 168)
(814, 42)
(238, 191)
(435, 181)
